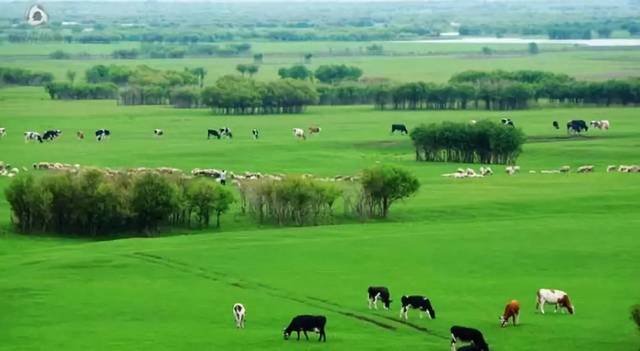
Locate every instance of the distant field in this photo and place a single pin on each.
(590, 65)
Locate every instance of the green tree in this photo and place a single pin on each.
(383, 185)
(332, 74)
(154, 198)
(71, 76)
(533, 48)
(258, 59)
(205, 197)
(200, 72)
(307, 58)
(295, 72)
(635, 314)
(252, 69)
(487, 50)
(242, 68)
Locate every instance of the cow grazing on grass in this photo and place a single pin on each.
(600, 124)
(314, 130)
(239, 313)
(225, 132)
(50, 135)
(420, 303)
(577, 126)
(379, 293)
(3, 132)
(556, 297)
(32, 136)
(512, 310)
(507, 122)
(299, 133)
(102, 134)
(556, 125)
(213, 133)
(80, 135)
(399, 128)
(256, 133)
(471, 335)
(305, 323)
(158, 132)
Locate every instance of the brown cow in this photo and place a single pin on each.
(512, 310)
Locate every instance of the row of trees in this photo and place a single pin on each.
(328, 74)
(95, 204)
(142, 75)
(19, 76)
(483, 142)
(69, 91)
(239, 95)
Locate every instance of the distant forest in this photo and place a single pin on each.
(166, 22)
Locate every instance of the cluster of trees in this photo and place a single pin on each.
(483, 142)
(239, 95)
(141, 76)
(69, 91)
(126, 54)
(94, 204)
(19, 76)
(291, 201)
(328, 74)
(382, 186)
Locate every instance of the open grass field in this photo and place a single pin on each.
(449, 59)
(470, 245)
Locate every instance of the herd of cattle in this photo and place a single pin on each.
(477, 342)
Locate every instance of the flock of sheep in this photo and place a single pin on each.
(512, 170)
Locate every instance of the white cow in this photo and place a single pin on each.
(558, 298)
(3, 132)
(299, 133)
(601, 124)
(30, 136)
(239, 313)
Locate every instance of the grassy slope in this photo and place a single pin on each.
(470, 245)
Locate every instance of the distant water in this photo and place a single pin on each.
(472, 40)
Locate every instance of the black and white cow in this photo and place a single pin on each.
(158, 132)
(226, 132)
(507, 122)
(213, 133)
(555, 125)
(50, 135)
(3, 132)
(102, 134)
(31, 136)
(379, 293)
(305, 323)
(256, 133)
(399, 128)
(577, 126)
(418, 302)
(471, 335)
(239, 313)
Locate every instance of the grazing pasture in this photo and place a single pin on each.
(469, 245)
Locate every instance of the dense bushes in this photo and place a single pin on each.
(238, 95)
(384, 185)
(19, 76)
(93, 203)
(291, 201)
(484, 142)
(336, 73)
(68, 91)
(635, 314)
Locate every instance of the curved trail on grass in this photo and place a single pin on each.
(275, 292)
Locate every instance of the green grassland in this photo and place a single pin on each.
(447, 59)
(471, 245)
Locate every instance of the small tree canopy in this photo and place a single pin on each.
(383, 185)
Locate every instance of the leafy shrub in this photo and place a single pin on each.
(384, 185)
(484, 142)
(635, 314)
(93, 203)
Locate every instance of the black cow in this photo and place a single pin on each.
(305, 323)
(213, 132)
(399, 128)
(102, 134)
(51, 134)
(556, 125)
(379, 293)
(577, 126)
(255, 133)
(416, 302)
(468, 335)
(507, 122)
